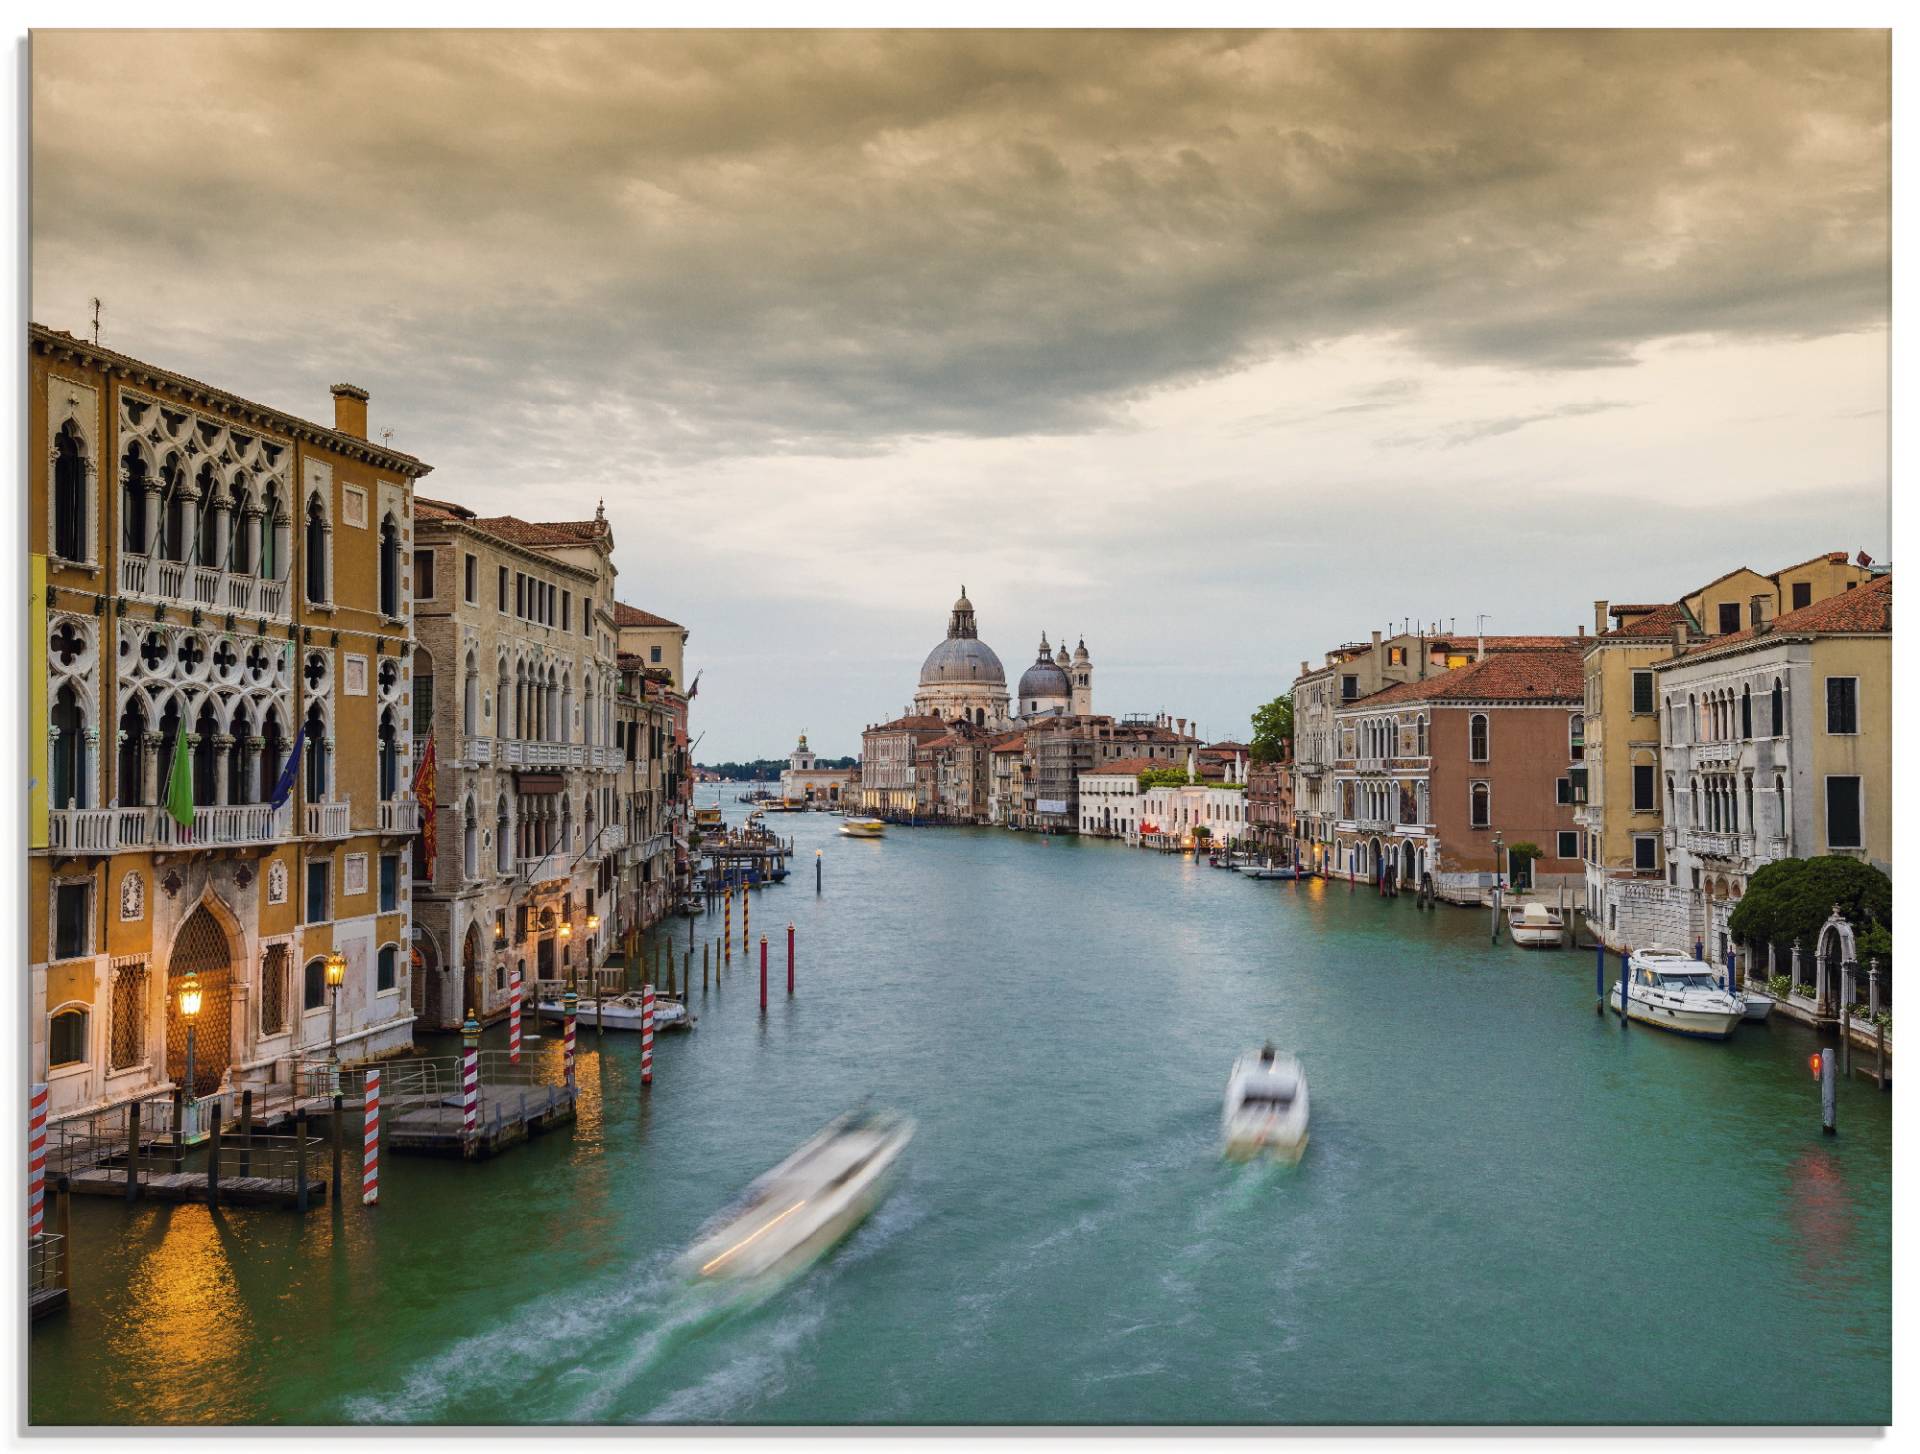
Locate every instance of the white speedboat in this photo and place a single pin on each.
(1758, 1005)
(863, 827)
(1266, 1107)
(624, 1012)
(805, 1205)
(1672, 990)
(1535, 926)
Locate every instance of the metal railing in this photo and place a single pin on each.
(275, 1157)
(44, 1254)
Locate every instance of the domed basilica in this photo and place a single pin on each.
(962, 679)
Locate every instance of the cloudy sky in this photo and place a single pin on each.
(1215, 349)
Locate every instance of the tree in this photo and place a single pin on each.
(1520, 857)
(1273, 729)
(1787, 901)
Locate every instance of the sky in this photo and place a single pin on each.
(1217, 350)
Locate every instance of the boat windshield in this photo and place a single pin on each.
(1261, 1098)
(1688, 982)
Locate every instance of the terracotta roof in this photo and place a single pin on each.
(1832, 557)
(439, 509)
(541, 532)
(1659, 621)
(1228, 747)
(625, 615)
(1508, 676)
(912, 722)
(1127, 766)
(1012, 742)
(1863, 610)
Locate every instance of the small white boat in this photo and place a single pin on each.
(1535, 926)
(1672, 990)
(863, 827)
(1284, 870)
(624, 1012)
(1266, 1107)
(1758, 1005)
(804, 1206)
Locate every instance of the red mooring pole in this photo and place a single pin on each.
(646, 1035)
(789, 959)
(763, 971)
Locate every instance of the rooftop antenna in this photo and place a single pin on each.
(96, 321)
(386, 438)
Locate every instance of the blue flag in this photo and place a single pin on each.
(290, 774)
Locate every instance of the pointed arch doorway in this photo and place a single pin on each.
(201, 948)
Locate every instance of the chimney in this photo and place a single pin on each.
(1679, 637)
(1758, 610)
(1582, 631)
(1599, 618)
(1303, 668)
(350, 410)
(1480, 650)
(1376, 641)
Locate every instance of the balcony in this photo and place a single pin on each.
(170, 581)
(1706, 754)
(113, 830)
(1704, 844)
(612, 838)
(400, 815)
(330, 820)
(552, 864)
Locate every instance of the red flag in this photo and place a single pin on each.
(423, 791)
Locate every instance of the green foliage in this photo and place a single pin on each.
(1273, 729)
(1779, 985)
(1163, 777)
(1787, 901)
(1201, 833)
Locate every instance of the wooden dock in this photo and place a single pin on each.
(509, 1114)
(191, 1186)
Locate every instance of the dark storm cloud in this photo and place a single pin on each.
(736, 243)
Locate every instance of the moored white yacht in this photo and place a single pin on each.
(1672, 990)
(1535, 926)
(792, 1214)
(1266, 1107)
(624, 1012)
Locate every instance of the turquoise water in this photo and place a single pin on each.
(1511, 1211)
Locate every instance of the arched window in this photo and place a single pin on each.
(1477, 737)
(1480, 806)
(470, 699)
(1693, 720)
(502, 838)
(1779, 710)
(587, 722)
(128, 784)
(239, 782)
(173, 535)
(1746, 713)
(389, 756)
(67, 1036)
(1749, 790)
(316, 551)
(389, 568)
(136, 537)
(386, 972)
(315, 752)
(206, 753)
(273, 752)
(271, 524)
(240, 528)
(1780, 805)
(1420, 736)
(69, 494)
(209, 548)
(469, 841)
(69, 764)
(313, 987)
(1693, 803)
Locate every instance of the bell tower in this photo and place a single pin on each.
(1081, 675)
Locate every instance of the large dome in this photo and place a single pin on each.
(962, 660)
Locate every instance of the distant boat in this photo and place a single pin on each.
(863, 828)
(1283, 870)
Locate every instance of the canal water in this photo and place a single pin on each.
(1511, 1210)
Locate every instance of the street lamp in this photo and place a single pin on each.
(566, 938)
(190, 1012)
(1499, 864)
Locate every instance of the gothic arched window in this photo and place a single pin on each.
(69, 494)
(316, 551)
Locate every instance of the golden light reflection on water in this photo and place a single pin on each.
(185, 1334)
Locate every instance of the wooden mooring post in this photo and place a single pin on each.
(213, 1161)
(133, 1150)
(246, 1133)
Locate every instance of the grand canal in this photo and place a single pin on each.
(1510, 1211)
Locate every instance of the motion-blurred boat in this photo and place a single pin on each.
(805, 1205)
(863, 827)
(1266, 1107)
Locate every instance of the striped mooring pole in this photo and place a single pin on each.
(370, 1157)
(470, 1076)
(726, 938)
(746, 921)
(570, 1003)
(646, 1035)
(513, 1020)
(36, 1159)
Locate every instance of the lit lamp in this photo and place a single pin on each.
(336, 970)
(566, 937)
(593, 940)
(470, 1032)
(190, 1012)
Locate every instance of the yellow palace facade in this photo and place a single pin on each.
(221, 608)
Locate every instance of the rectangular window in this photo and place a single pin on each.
(72, 919)
(503, 590)
(1644, 850)
(273, 989)
(1578, 777)
(520, 594)
(1843, 705)
(656, 656)
(1569, 843)
(566, 610)
(422, 706)
(1479, 806)
(1396, 656)
(470, 585)
(319, 886)
(1802, 594)
(1349, 688)
(499, 928)
(389, 882)
(127, 1030)
(423, 575)
(386, 973)
(1643, 788)
(1642, 693)
(1729, 617)
(1563, 791)
(1843, 812)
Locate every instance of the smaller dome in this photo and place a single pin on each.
(1080, 651)
(1045, 678)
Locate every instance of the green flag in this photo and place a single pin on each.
(180, 782)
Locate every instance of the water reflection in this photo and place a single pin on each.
(185, 1331)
